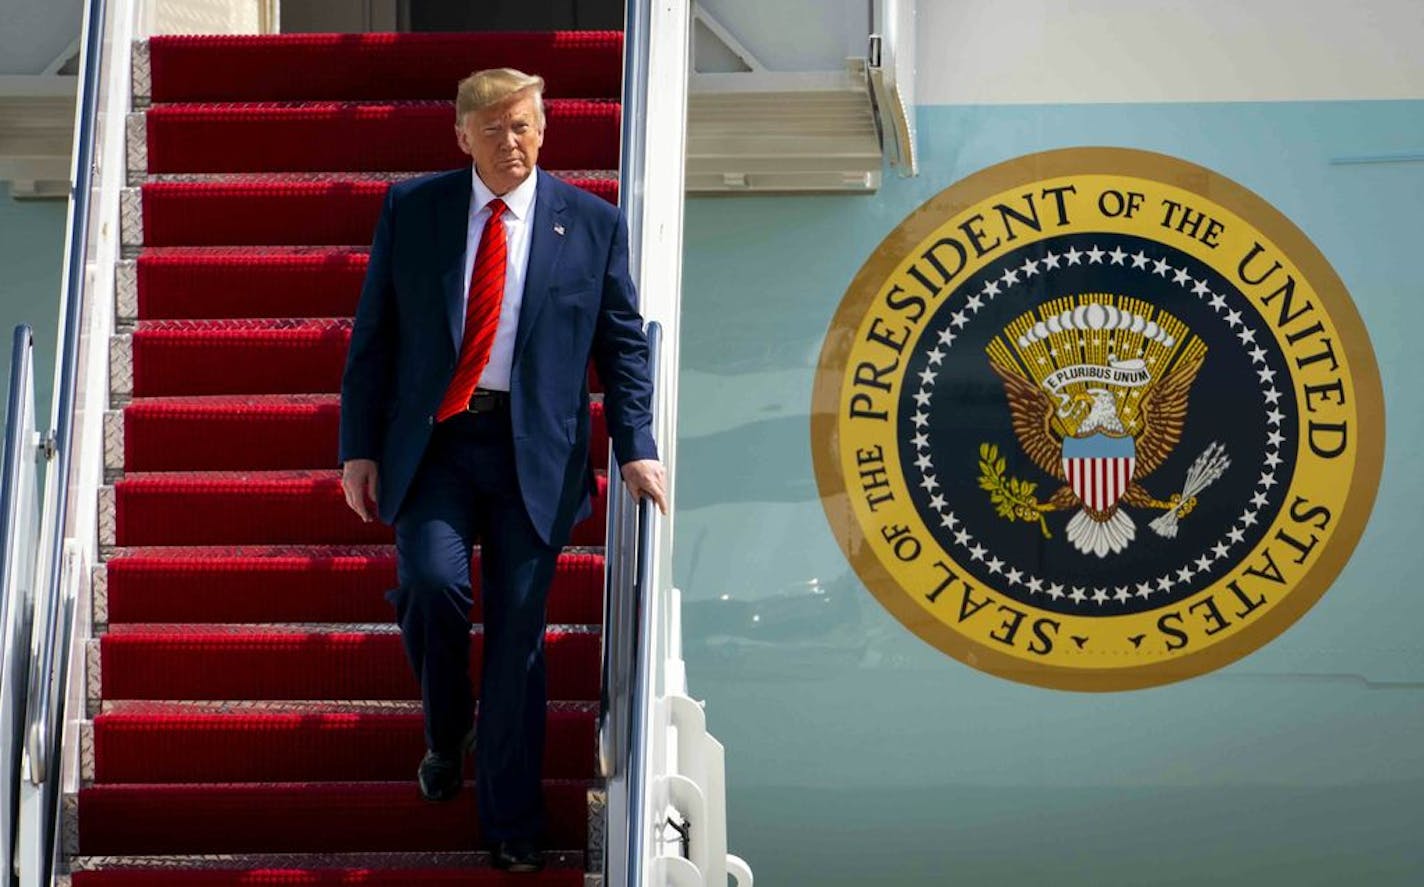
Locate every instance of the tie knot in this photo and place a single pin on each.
(496, 208)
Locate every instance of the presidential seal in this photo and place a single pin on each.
(1097, 419)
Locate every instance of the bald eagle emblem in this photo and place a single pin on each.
(1098, 388)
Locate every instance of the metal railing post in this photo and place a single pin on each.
(19, 534)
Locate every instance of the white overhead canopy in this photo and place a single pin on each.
(756, 125)
(36, 126)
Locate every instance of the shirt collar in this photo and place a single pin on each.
(519, 201)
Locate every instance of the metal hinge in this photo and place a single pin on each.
(48, 445)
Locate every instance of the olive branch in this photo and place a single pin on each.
(1012, 498)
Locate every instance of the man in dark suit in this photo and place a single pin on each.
(465, 415)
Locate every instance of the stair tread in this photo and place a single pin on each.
(226, 356)
(265, 507)
(320, 136)
(294, 787)
(307, 743)
(554, 108)
(125, 709)
(240, 325)
(394, 862)
(327, 178)
(242, 254)
(200, 208)
(245, 432)
(300, 816)
(245, 632)
(227, 553)
(297, 584)
(292, 476)
(475, 871)
(204, 67)
(204, 402)
(385, 860)
(569, 875)
(300, 662)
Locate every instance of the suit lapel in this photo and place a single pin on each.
(452, 220)
(546, 244)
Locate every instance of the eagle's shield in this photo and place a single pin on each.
(1099, 468)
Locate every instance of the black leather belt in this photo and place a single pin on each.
(486, 401)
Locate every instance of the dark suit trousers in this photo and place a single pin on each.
(466, 489)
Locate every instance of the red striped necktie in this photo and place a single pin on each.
(482, 306)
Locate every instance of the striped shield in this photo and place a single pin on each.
(1099, 468)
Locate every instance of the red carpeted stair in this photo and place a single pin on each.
(286, 584)
(354, 136)
(151, 742)
(299, 67)
(312, 877)
(236, 432)
(259, 355)
(254, 720)
(270, 211)
(262, 508)
(298, 817)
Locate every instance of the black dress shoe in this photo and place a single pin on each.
(517, 856)
(440, 776)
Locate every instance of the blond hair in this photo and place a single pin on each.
(492, 86)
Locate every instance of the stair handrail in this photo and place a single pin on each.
(628, 660)
(638, 752)
(19, 534)
(74, 439)
(40, 733)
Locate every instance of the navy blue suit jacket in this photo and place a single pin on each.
(579, 302)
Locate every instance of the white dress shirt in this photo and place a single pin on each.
(516, 218)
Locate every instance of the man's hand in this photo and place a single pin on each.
(359, 483)
(646, 477)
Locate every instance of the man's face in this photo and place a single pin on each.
(504, 140)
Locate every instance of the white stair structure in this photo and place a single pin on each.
(660, 763)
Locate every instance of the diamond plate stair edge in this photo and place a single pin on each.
(93, 679)
(113, 441)
(120, 369)
(69, 824)
(108, 516)
(238, 707)
(141, 76)
(99, 598)
(308, 177)
(383, 860)
(136, 146)
(243, 629)
(131, 217)
(597, 832)
(86, 753)
(126, 291)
